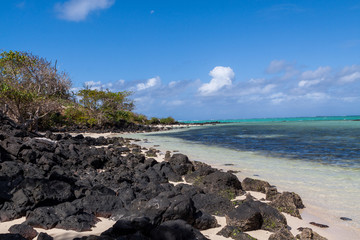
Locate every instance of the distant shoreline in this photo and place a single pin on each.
(280, 119)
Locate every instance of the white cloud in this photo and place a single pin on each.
(98, 85)
(349, 99)
(350, 77)
(78, 10)
(318, 73)
(152, 82)
(152, 12)
(257, 80)
(172, 84)
(276, 66)
(221, 77)
(92, 83)
(317, 96)
(121, 82)
(268, 88)
(308, 83)
(173, 103)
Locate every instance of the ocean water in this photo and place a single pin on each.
(320, 160)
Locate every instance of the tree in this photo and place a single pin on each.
(30, 86)
(106, 106)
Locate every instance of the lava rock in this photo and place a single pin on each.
(221, 183)
(204, 220)
(181, 164)
(176, 230)
(129, 226)
(167, 207)
(273, 220)
(11, 236)
(271, 193)
(249, 184)
(281, 234)
(288, 202)
(24, 230)
(245, 218)
(42, 217)
(165, 169)
(319, 225)
(44, 236)
(309, 234)
(234, 233)
(212, 203)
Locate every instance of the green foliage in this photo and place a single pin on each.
(32, 90)
(100, 107)
(228, 193)
(140, 119)
(30, 86)
(168, 120)
(269, 224)
(154, 120)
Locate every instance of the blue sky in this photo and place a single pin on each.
(201, 59)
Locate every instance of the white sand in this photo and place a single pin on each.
(61, 234)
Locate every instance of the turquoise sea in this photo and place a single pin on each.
(319, 158)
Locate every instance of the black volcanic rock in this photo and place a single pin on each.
(24, 230)
(212, 203)
(245, 218)
(234, 233)
(11, 236)
(288, 202)
(250, 184)
(181, 164)
(44, 236)
(221, 183)
(177, 230)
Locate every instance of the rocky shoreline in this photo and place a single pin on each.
(69, 182)
(125, 127)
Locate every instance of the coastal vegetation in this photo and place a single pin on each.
(35, 94)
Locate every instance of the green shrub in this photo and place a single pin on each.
(168, 120)
(154, 120)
